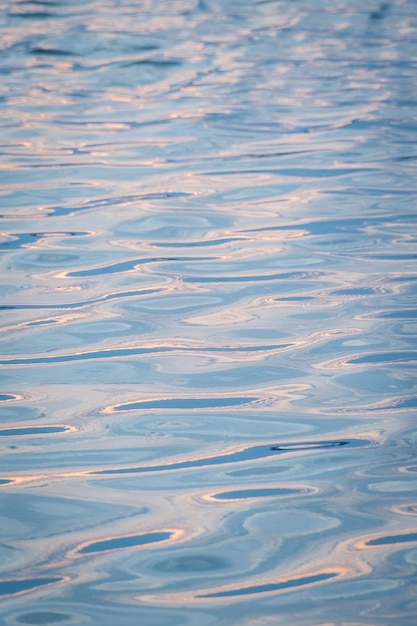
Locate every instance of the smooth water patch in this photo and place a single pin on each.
(261, 492)
(37, 618)
(193, 563)
(264, 470)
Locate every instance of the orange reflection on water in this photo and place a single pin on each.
(259, 492)
(386, 540)
(46, 321)
(134, 540)
(30, 431)
(267, 397)
(6, 396)
(17, 586)
(255, 588)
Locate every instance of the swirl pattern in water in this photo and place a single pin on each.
(208, 314)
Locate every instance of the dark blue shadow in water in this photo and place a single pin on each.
(10, 587)
(6, 397)
(34, 430)
(392, 539)
(249, 278)
(286, 584)
(385, 357)
(128, 266)
(125, 542)
(185, 403)
(310, 445)
(123, 352)
(248, 454)
(19, 240)
(82, 303)
(256, 493)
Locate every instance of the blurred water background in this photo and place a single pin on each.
(208, 313)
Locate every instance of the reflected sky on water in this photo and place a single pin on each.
(207, 313)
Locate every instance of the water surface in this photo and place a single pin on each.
(208, 315)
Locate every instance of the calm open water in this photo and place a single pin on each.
(208, 313)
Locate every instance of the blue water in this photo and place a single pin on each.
(208, 382)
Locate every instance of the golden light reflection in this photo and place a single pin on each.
(12, 587)
(30, 431)
(257, 587)
(6, 396)
(45, 321)
(259, 492)
(240, 454)
(266, 396)
(140, 540)
(369, 359)
(387, 540)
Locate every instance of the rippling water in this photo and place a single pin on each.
(208, 312)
